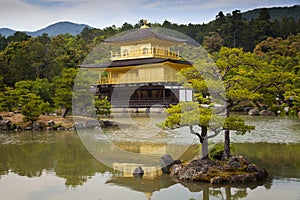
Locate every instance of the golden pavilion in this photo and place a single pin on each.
(142, 73)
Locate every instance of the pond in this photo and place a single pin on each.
(69, 165)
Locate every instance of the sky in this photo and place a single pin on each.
(32, 15)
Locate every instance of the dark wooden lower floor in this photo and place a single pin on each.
(141, 95)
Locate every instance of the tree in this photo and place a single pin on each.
(213, 42)
(3, 42)
(220, 19)
(102, 106)
(18, 36)
(261, 26)
(236, 71)
(44, 89)
(191, 114)
(63, 90)
(33, 108)
(16, 63)
(283, 59)
(126, 27)
(287, 26)
(2, 97)
(243, 76)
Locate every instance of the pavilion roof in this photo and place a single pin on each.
(142, 34)
(133, 62)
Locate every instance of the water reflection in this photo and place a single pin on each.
(155, 189)
(30, 154)
(62, 157)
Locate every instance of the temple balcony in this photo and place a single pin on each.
(144, 53)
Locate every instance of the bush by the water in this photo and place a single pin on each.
(217, 150)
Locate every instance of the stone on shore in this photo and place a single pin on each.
(5, 124)
(51, 123)
(166, 162)
(253, 112)
(266, 113)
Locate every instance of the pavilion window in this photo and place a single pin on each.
(125, 52)
(145, 51)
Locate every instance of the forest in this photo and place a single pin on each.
(37, 73)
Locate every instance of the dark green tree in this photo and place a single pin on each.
(33, 108)
(126, 27)
(18, 36)
(3, 42)
(102, 106)
(63, 90)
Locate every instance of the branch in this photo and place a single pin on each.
(196, 133)
(228, 68)
(216, 132)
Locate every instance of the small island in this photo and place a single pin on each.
(237, 169)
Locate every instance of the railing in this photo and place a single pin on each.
(144, 103)
(144, 53)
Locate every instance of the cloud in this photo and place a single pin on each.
(47, 3)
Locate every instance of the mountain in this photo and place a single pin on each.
(6, 32)
(52, 30)
(276, 13)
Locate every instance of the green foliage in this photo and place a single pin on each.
(213, 42)
(3, 42)
(283, 57)
(102, 106)
(237, 124)
(18, 36)
(33, 108)
(13, 98)
(187, 114)
(63, 88)
(275, 13)
(216, 152)
(44, 89)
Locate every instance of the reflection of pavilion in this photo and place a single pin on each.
(151, 169)
(147, 186)
(152, 178)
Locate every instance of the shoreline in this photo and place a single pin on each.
(14, 121)
(10, 121)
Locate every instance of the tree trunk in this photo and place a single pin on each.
(204, 143)
(203, 140)
(226, 152)
(65, 113)
(205, 193)
(228, 192)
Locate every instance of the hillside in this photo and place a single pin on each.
(276, 13)
(52, 30)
